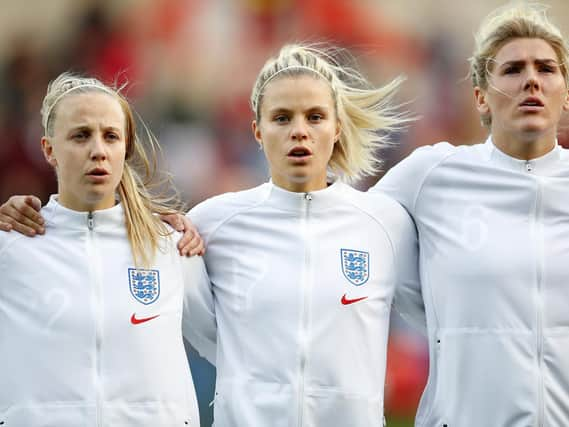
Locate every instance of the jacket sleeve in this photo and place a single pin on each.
(408, 299)
(198, 323)
(403, 183)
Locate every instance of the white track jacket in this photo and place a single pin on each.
(87, 339)
(494, 268)
(303, 284)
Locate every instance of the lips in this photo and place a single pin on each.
(531, 102)
(299, 152)
(97, 172)
(98, 175)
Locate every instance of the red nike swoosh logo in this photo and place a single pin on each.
(136, 321)
(347, 301)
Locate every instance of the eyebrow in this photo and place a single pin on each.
(88, 127)
(536, 61)
(288, 110)
(84, 127)
(113, 128)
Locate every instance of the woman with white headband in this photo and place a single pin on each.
(303, 268)
(91, 313)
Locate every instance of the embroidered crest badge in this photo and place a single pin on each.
(355, 266)
(144, 284)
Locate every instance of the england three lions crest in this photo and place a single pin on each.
(355, 266)
(144, 284)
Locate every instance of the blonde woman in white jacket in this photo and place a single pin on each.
(303, 268)
(493, 230)
(91, 313)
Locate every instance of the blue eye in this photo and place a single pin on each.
(315, 117)
(281, 119)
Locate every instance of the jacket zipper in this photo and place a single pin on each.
(537, 229)
(306, 276)
(97, 311)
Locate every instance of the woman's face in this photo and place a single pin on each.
(297, 130)
(526, 93)
(87, 150)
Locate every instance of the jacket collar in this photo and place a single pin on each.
(106, 219)
(282, 199)
(543, 165)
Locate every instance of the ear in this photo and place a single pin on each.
(566, 103)
(257, 133)
(47, 149)
(338, 131)
(481, 104)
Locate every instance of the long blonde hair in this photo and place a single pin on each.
(513, 21)
(139, 178)
(366, 114)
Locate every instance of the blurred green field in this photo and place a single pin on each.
(399, 422)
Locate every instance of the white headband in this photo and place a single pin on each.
(81, 86)
(282, 70)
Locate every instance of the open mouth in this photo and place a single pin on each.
(97, 172)
(531, 102)
(299, 152)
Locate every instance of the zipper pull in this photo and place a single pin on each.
(308, 197)
(529, 166)
(90, 221)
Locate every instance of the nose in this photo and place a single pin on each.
(299, 131)
(532, 80)
(98, 148)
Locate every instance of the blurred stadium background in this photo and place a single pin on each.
(191, 65)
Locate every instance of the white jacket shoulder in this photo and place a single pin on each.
(403, 182)
(382, 207)
(208, 215)
(8, 239)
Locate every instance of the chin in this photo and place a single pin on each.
(534, 128)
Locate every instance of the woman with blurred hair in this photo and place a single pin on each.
(493, 232)
(91, 312)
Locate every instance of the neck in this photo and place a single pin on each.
(526, 147)
(84, 206)
(300, 187)
(300, 184)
